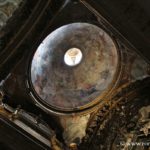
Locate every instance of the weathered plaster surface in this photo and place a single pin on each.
(71, 87)
(7, 8)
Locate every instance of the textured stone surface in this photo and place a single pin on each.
(7, 8)
(74, 128)
(67, 87)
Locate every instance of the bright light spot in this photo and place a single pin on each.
(73, 57)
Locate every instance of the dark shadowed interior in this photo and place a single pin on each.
(74, 75)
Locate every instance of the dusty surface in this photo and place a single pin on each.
(7, 8)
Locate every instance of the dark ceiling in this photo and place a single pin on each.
(130, 17)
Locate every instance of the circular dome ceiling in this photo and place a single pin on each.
(65, 87)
